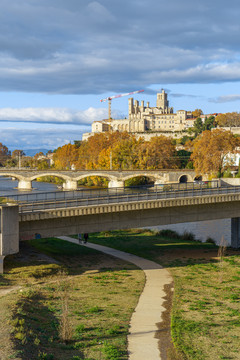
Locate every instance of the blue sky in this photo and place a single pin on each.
(58, 58)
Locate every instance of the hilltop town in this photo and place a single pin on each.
(147, 122)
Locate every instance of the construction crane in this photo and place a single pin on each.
(109, 99)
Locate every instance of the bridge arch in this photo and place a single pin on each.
(183, 178)
(100, 174)
(132, 176)
(55, 174)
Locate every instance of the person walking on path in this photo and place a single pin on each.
(85, 238)
(79, 238)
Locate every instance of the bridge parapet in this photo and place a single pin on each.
(116, 178)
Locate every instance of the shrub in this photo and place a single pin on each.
(209, 240)
(188, 236)
(168, 234)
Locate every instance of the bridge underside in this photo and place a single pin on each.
(130, 215)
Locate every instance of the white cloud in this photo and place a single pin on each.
(35, 138)
(52, 115)
(226, 98)
(92, 47)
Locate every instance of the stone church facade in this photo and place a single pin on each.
(145, 120)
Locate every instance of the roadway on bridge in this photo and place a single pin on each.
(118, 197)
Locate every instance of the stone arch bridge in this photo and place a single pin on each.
(116, 178)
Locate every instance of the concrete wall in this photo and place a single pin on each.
(230, 181)
(9, 235)
(202, 230)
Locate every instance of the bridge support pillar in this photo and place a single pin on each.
(70, 185)
(115, 184)
(9, 236)
(25, 185)
(235, 233)
(159, 182)
(1, 264)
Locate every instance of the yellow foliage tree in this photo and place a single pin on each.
(228, 119)
(65, 157)
(197, 112)
(211, 151)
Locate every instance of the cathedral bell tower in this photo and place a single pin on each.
(162, 101)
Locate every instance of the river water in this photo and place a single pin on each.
(9, 187)
(214, 229)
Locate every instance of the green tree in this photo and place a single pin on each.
(184, 157)
(198, 126)
(209, 123)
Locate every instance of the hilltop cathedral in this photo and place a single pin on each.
(147, 121)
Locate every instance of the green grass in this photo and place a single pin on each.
(84, 281)
(205, 320)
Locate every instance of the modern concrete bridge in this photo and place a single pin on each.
(218, 203)
(116, 178)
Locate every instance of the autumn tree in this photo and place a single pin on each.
(211, 151)
(197, 112)
(65, 157)
(4, 154)
(158, 153)
(91, 152)
(126, 153)
(17, 153)
(229, 119)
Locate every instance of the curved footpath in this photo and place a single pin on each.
(142, 342)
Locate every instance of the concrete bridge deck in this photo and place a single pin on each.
(210, 204)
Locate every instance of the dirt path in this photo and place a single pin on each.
(144, 337)
(5, 291)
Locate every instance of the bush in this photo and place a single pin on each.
(227, 174)
(188, 236)
(209, 240)
(168, 234)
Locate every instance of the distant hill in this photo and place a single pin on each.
(32, 152)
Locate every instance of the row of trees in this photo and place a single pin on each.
(211, 152)
(228, 119)
(114, 150)
(18, 157)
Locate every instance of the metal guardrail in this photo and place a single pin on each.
(120, 195)
(89, 193)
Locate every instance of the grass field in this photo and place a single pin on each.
(77, 306)
(205, 320)
(75, 303)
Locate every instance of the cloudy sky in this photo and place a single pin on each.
(58, 58)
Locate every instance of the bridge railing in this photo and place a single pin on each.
(119, 195)
(125, 197)
(93, 192)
